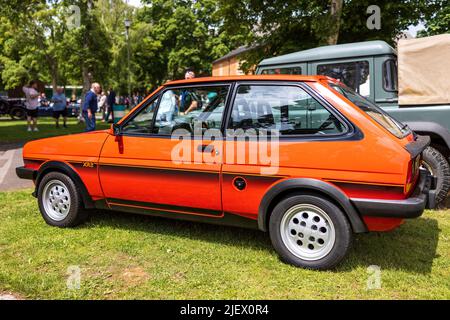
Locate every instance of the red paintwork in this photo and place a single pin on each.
(382, 224)
(140, 168)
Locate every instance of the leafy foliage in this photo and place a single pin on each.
(169, 36)
(282, 27)
(438, 20)
(186, 35)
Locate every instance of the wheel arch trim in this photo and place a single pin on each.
(425, 127)
(312, 185)
(58, 166)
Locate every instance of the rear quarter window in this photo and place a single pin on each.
(289, 110)
(375, 112)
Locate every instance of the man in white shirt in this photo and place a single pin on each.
(101, 101)
(32, 103)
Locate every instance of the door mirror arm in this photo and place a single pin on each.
(116, 129)
(118, 134)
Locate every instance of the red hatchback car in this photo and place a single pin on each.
(304, 158)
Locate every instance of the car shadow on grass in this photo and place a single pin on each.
(410, 248)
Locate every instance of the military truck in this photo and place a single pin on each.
(412, 84)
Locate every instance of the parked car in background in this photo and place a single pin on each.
(416, 93)
(13, 107)
(344, 165)
(73, 110)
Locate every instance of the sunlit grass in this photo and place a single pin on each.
(16, 131)
(128, 256)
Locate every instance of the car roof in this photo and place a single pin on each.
(276, 77)
(340, 51)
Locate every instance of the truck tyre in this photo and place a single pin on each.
(438, 166)
(17, 113)
(310, 232)
(60, 201)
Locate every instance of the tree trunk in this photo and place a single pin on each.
(55, 77)
(85, 72)
(335, 21)
(87, 78)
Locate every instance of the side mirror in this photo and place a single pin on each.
(116, 129)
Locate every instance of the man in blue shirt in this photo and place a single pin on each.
(59, 106)
(90, 106)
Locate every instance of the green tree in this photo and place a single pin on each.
(396, 16)
(275, 27)
(278, 27)
(87, 47)
(438, 20)
(181, 35)
(30, 47)
(111, 15)
(37, 43)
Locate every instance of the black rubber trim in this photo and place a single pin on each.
(227, 219)
(413, 207)
(418, 145)
(58, 166)
(26, 173)
(408, 208)
(163, 207)
(356, 222)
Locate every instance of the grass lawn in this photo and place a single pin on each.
(16, 131)
(128, 256)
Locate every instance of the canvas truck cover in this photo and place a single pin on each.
(424, 70)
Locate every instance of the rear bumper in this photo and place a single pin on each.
(422, 198)
(25, 173)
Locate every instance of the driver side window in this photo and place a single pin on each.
(192, 109)
(141, 123)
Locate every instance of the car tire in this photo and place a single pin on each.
(60, 202)
(310, 232)
(438, 166)
(17, 113)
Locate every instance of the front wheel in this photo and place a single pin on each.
(310, 232)
(59, 201)
(438, 166)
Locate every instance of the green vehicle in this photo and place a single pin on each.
(412, 85)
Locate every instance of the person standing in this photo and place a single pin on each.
(59, 106)
(102, 104)
(32, 104)
(189, 101)
(111, 101)
(43, 100)
(90, 106)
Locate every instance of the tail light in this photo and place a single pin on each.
(413, 173)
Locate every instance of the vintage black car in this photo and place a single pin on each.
(15, 108)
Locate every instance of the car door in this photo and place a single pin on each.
(159, 161)
(267, 137)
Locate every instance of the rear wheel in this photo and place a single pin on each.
(59, 201)
(438, 166)
(310, 231)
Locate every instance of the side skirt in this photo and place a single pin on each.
(226, 219)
